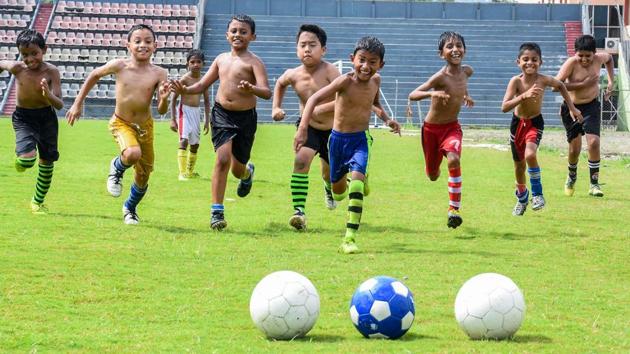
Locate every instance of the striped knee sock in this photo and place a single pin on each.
(181, 161)
(593, 168)
(572, 171)
(22, 163)
(522, 194)
(43, 182)
(454, 188)
(135, 196)
(299, 190)
(535, 180)
(355, 207)
(190, 163)
(120, 166)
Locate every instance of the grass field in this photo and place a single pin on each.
(78, 280)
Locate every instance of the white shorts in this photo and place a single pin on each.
(188, 123)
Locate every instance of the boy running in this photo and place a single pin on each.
(580, 75)
(441, 132)
(34, 119)
(525, 94)
(137, 80)
(350, 140)
(242, 77)
(306, 79)
(185, 117)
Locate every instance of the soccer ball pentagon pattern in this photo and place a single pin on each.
(284, 305)
(382, 307)
(489, 305)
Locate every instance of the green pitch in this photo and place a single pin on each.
(80, 280)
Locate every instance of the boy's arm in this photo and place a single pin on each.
(163, 92)
(174, 111)
(110, 67)
(206, 111)
(610, 70)
(553, 82)
(423, 91)
(54, 96)
(513, 99)
(208, 79)
(567, 69)
(261, 89)
(277, 113)
(382, 114)
(10, 66)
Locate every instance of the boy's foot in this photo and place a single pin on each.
(193, 175)
(130, 217)
(182, 177)
(19, 167)
(348, 246)
(454, 219)
(538, 202)
(298, 220)
(519, 208)
(595, 191)
(217, 221)
(245, 185)
(569, 187)
(114, 180)
(38, 208)
(331, 203)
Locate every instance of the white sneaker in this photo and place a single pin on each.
(519, 208)
(114, 180)
(331, 203)
(130, 217)
(538, 202)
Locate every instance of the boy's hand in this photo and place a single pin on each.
(174, 125)
(591, 80)
(533, 92)
(45, 88)
(177, 87)
(278, 114)
(206, 127)
(577, 115)
(394, 126)
(609, 91)
(245, 86)
(468, 101)
(74, 113)
(164, 90)
(300, 139)
(441, 95)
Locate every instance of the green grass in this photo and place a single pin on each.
(80, 280)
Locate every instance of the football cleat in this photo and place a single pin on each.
(217, 221)
(331, 203)
(454, 219)
(348, 246)
(298, 220)
(569, 187)
(38, 208)
(114, 180)
(538, 202)
(519, 208)
(130, 217)
(595, 191)
(245, 185)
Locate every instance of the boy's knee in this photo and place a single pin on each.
(299, 165)
(131, 155)
(28, 155)
(453, 162)
(194, 148)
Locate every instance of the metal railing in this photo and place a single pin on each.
(199, 21)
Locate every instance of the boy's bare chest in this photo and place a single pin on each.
(360, 95)
(306, 85)
(454, 85)
(136, 80)
(30, 79)
(235, 68)
(580, 73)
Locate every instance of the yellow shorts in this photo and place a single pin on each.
(129, 134)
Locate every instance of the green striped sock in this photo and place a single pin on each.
(22, 163)
(355, 207)
(43, 182)
(299, 190)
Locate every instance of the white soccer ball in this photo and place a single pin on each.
(284, 305)
(489, 305)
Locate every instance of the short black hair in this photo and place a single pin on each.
(30, 36)
(585, 42)
(195, 53)
(316, 30)
(370, 44)
(444, 37)
(140, 26)
(529, 46)
(244, 18)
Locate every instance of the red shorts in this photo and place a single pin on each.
(437, 141)
(523, 131)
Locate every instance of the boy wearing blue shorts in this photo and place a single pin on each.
(357, 94)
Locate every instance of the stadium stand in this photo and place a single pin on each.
(411, 56)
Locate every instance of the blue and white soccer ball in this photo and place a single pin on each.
(382, 307)
(489, 305)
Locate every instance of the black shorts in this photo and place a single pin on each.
(238, 126)
(36, 129)
(317, 140)
(592, 120)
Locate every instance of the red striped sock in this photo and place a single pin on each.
(454, 188)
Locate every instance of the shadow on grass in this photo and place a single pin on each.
(320, 338)
(410, 336)
(165, 228)
(405, 248)
(531, 339)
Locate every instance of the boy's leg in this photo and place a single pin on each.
(182, 155)
(593, 164)
(219, 182)
(454, 190)
(142, 171)
(535, 180)
(44, 179)
(330, 201)
(299, 187)
(355, 210)
(574, 131)
(25, 161)
(48, 154)
(430, 149)
(25, 142)
(192, 160)
(521, 192)
(127, 138)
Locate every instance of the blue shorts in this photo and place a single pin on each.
(348, 152)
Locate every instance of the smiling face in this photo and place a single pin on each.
(585, 57)
(309, 49)
(366, 64)
(32, 55)
(141, 44)
(453, 51)
(529, 61)
(239, 34)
